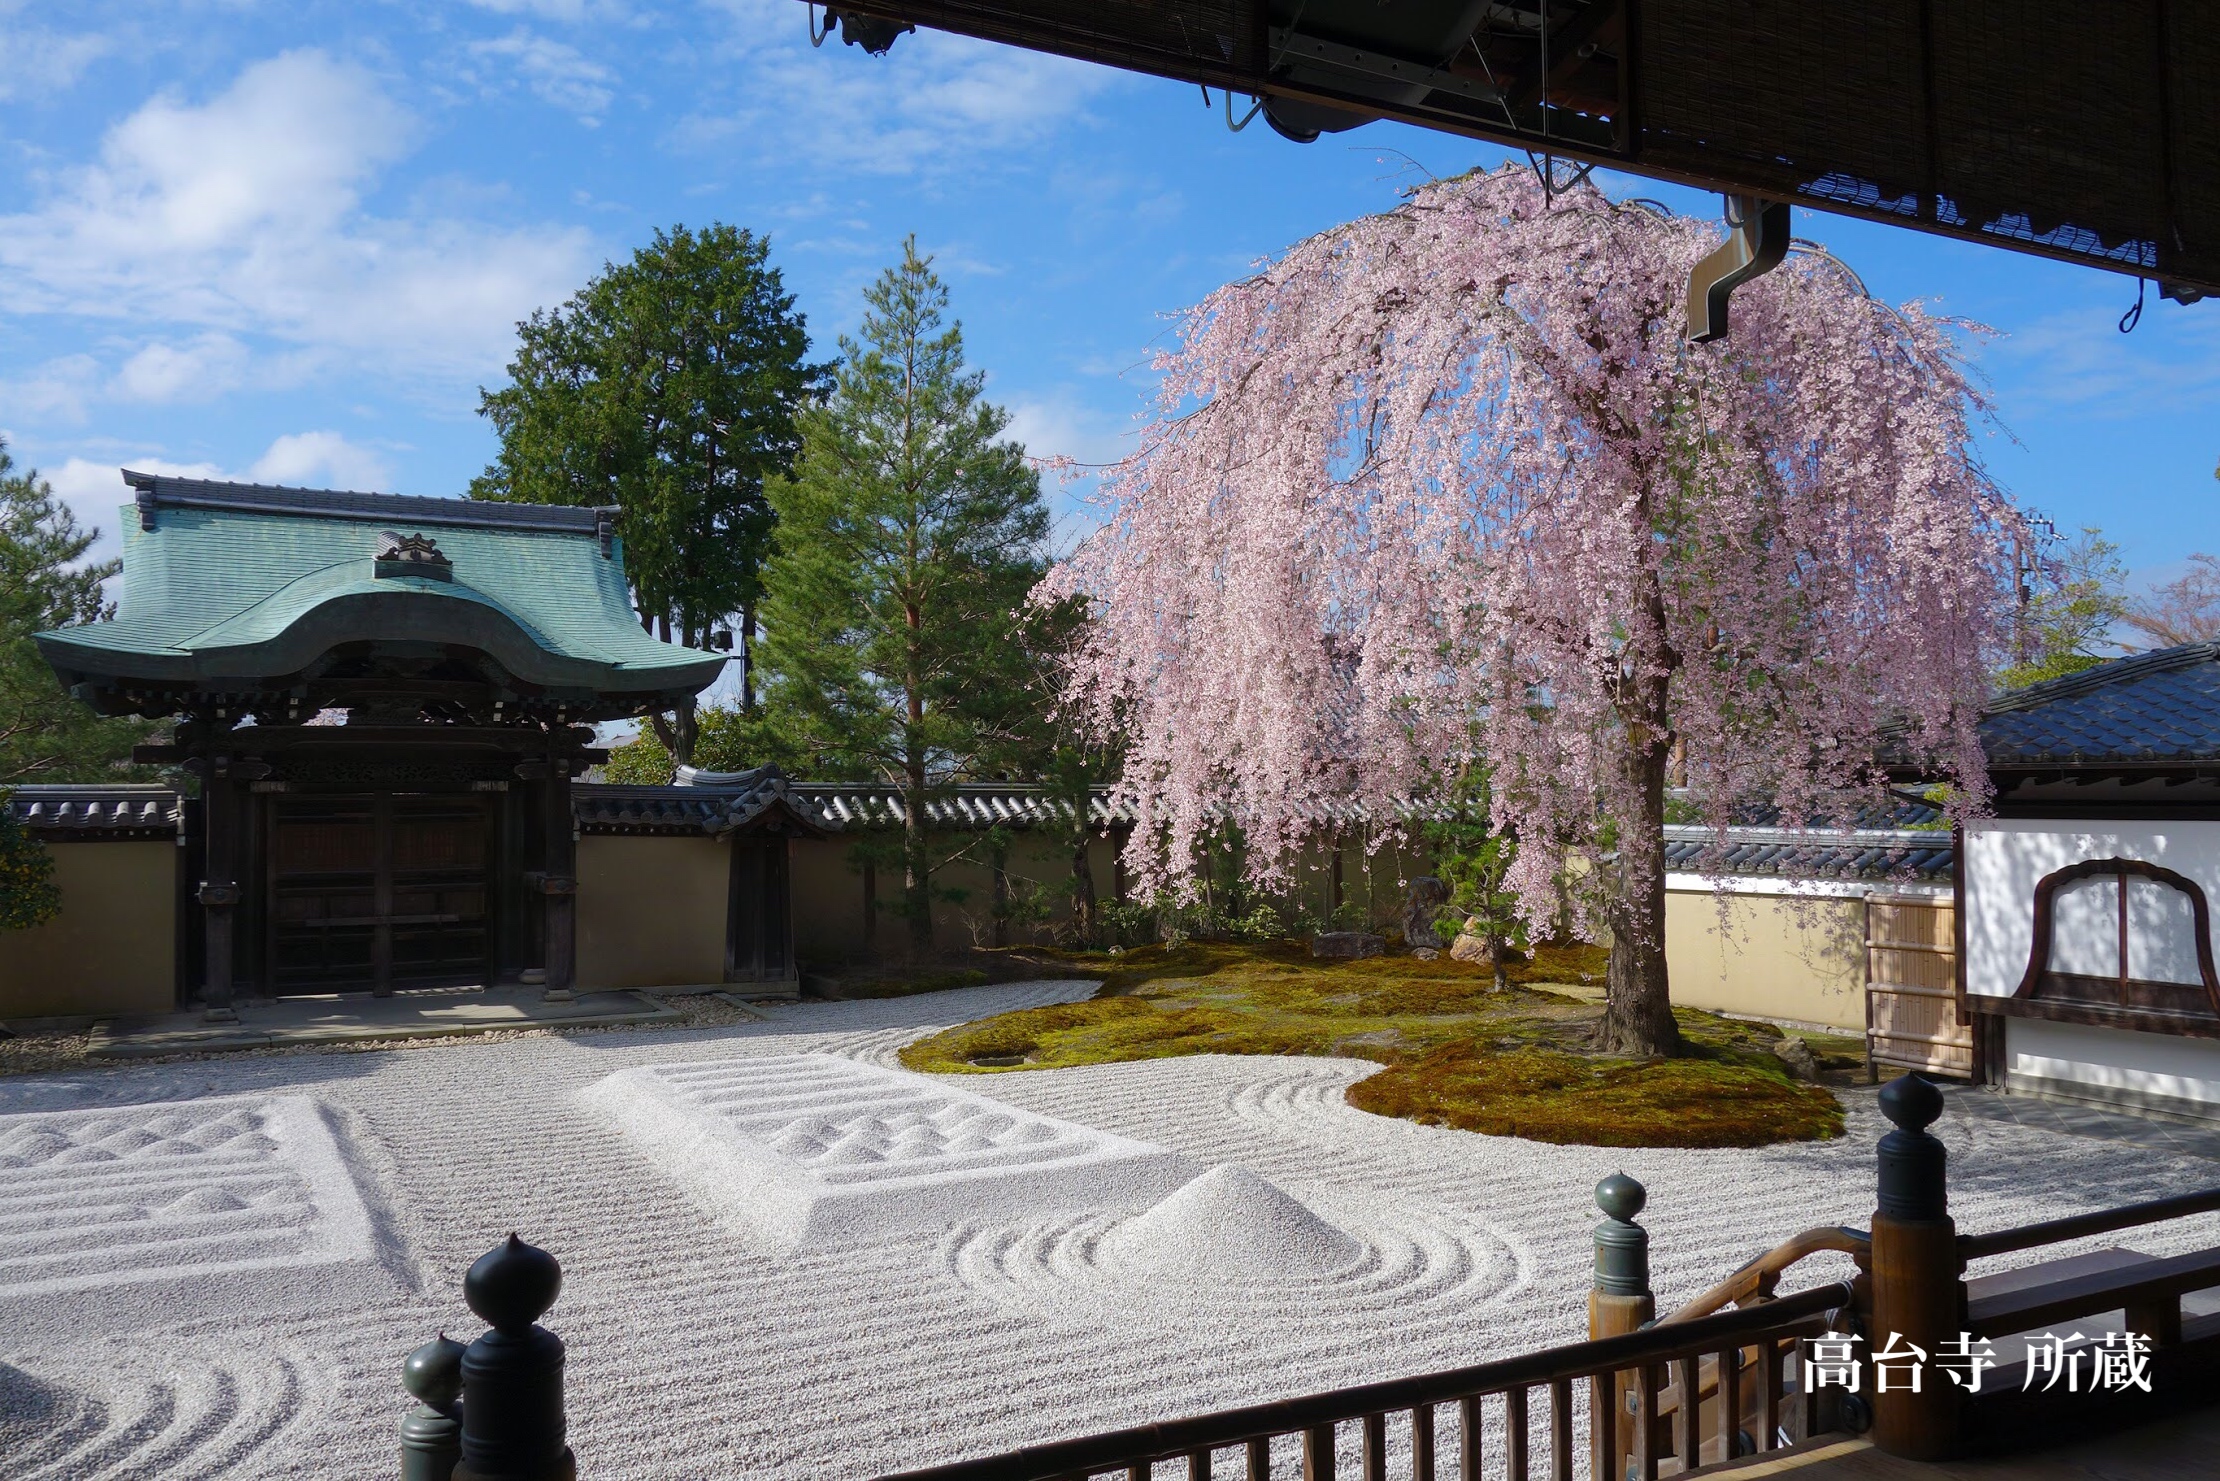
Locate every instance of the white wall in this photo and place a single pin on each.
(2003, 860)
(2159, 1066)
(2004, 857)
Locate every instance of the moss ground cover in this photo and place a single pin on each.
(1455, 1053)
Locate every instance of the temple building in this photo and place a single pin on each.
(385, 701)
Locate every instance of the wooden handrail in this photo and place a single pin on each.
(1756, 1278)
(1133, 1449)
(2104, 1221)
(2130, 1287)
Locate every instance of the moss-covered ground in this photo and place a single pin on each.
(1455, 1053)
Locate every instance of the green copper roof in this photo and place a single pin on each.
(228, 585)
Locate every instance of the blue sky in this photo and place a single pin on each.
(290, 241)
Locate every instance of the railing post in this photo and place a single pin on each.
(431, 1435)
(1917, 1297)
(1619, 1302)
(512, 1419)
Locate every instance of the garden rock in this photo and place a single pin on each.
(1428, 895)
(1347, 944)
(1426, 954)
(1475, 949)
(1797, 1055)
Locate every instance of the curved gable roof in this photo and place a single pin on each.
(235, 582)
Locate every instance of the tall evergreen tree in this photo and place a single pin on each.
(898, 644)
(45, 582)
(668, 387)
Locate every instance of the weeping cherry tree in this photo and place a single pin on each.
(1447, 487)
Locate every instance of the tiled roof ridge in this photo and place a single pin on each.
(1819, 836)
(268, 498)
(89, 789)
(114, 809)
(2105, 675)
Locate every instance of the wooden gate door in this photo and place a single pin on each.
(377, 892)
(1911, 987)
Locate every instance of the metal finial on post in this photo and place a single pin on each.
(512, 1423)
(1622, 1246)
(431, 1435)
(1917, 1298)
(1913, 1164)
(1620, 1302)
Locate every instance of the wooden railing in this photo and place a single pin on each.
(2181, 1355)
(1706, 1384)
(1650, 1365)
(2082, 1226)
(1756, 1281)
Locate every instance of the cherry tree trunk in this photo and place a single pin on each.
(1637, 1007)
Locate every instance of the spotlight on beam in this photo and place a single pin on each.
(867, 31)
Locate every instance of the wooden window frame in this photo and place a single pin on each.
(2023, 1002)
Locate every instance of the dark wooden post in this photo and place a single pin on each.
(219, 892)
(431, 1435)
(1620, 1302)
(559, 881)
(1917, 1295)
(219, 885)
(512, 1378)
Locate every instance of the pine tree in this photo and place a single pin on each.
(898, 644)
(45, 582)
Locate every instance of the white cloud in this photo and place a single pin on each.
(200, 369)
(320, 460)
(2077, 359)
(35, 60)
(557, 10)
(936, 104)
(244, 215)
(59, 388)
(1062, 426)
(559, 75)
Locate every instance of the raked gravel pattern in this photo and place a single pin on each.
(1323, 1246)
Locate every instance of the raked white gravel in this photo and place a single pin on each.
(1320, 1246)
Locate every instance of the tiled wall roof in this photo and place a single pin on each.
(1913, 855)
(711, 804)
(92, 810)
(702, 802)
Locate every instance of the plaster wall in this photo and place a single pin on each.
(1771, 956)
(2114, 1066)
(828, 902)
(830, 920)
(651, 911)
(113, 948)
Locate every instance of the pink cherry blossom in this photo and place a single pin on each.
(1447, 485)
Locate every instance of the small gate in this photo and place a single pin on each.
(1911, 986)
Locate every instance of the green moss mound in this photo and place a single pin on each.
(1547, 1096)
(1455, 1052)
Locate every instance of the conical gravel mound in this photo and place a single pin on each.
(1229, 1223)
